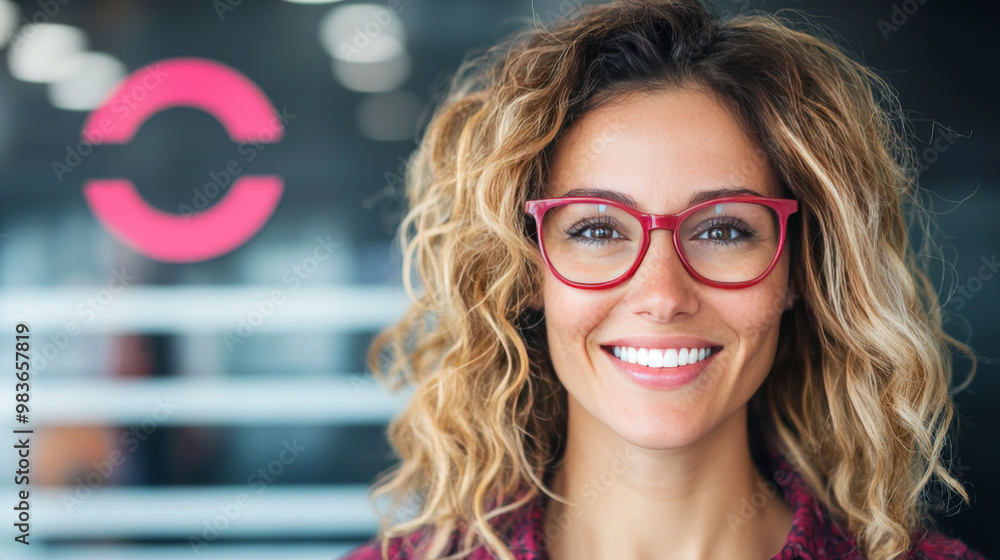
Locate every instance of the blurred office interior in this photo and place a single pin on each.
(192, 411)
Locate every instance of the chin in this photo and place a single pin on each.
(661, 435)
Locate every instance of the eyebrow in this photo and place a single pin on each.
(628, 200)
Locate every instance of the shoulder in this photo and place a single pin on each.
(936, 546)
(405, 547)
(371, 550)
(815, 531)
(520, 530)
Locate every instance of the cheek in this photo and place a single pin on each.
(756, 317)
(752, 317)
(570, 316)
(760, 315)
(763, 304)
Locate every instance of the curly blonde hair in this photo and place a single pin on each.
(858, 396)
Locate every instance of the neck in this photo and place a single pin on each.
(705, 500)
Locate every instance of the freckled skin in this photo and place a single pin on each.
(661, 148)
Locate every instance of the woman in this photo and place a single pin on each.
(668, 305)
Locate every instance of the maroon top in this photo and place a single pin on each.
(813, 536)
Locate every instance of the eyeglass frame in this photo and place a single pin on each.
(784, 207)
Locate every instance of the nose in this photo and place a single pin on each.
(661, 288)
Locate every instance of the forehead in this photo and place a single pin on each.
(660, 148)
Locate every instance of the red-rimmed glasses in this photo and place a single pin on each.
(595, 243)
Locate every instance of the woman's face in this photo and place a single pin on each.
(661, 149)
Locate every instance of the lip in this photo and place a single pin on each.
(646, 341)
(661, 378)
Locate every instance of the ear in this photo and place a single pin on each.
(790, 296)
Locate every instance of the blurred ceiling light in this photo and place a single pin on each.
(380, 49)
(8, 20)
(38, 49)
(88, 78)
(389, 116)
(312, 1)
(373, 76)
(362, 33)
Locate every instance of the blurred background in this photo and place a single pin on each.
(192, 397)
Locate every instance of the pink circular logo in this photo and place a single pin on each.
(243, 110)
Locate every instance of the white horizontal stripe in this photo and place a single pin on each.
(346, 399)
(183, 512)
(202, 309)
(218, 551)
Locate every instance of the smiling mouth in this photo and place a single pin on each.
(665, 358)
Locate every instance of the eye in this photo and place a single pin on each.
(600, 232)
(726, 230)
(721, 234)
(594, 231)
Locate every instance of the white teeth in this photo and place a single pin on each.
(670, 357)
(642, 357)
(657, 357)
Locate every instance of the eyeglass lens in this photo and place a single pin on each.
(727, 242)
